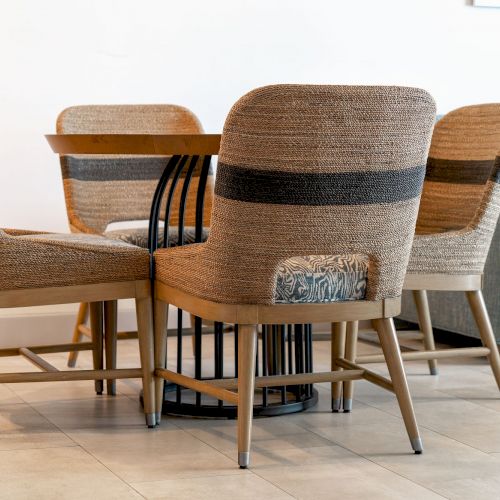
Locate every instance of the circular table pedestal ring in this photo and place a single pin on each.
(281, 350)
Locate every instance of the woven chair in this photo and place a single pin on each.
(457, 218)
(100, 190)
(42, 268)
(316, 198)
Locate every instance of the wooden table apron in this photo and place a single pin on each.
(281, 345)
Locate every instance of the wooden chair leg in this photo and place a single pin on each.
(425, 324)
(478, 307)
(160, 333)
(96, 328)
(247, 340)
(81, 319)
(351, 345)
(144, 310)
(338, 350)
(110, 340)
(390, 347)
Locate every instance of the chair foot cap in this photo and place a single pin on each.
(150, 420)
(336, 405)
(416, 444)
(434, 371)
(244, 459)
(157, 418)
(347, 405)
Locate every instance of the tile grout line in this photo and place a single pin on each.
(226, 456)
(379, 465)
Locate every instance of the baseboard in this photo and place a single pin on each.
(24, 326)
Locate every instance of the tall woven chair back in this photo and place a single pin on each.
(458, 191)
(100, 190)
(308, 170)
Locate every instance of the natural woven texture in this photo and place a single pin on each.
(284, 150)
(38, 260)
(461, 197)
(100, 190)
(139, 236)
(321, 278)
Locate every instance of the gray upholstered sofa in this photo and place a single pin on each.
(450, 311)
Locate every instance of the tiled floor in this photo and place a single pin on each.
(59, 440)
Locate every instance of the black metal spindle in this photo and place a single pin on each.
(290, 349)
(200, 198)
(170, 198)
(264, 363)
(274, 349)
(197, 354)
(299, 367)
(184, 193)
(178, 391)
(283, 363)
(154, 217)
(307, 355)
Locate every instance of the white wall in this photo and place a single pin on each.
(205, 54)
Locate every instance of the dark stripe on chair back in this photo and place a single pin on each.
(111, 188)
(461, 158)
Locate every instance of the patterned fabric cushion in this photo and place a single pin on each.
(139, 236)
(321, 278)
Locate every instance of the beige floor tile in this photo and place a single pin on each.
(387, 445)
(243, 487)
(478, 488)
(58, 473)
(141, 454)
(97, 412)
(8, 397)
(23, 427)
(355, 478)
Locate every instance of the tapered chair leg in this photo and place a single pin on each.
(350, 354)
(144, 311)
(110, 340)
(425, 324)
(390, 347)
(247, 340)
(81, 318)
(478, 307)
(96, 328)
(338, 349)
(160, 332)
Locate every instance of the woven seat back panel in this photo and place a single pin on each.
(311, 170)
(103, 189)
(461, 157)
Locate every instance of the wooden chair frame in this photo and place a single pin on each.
(471, 285)
(101, 297)
(247, 317)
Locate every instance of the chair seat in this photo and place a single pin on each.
(139, 236)
(321, 278)
(39, 260)
(309, 279)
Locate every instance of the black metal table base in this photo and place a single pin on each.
(281, 350)
(207, 410)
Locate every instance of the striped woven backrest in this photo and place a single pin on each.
(461, 158)
(112, 188)
(318, 170)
